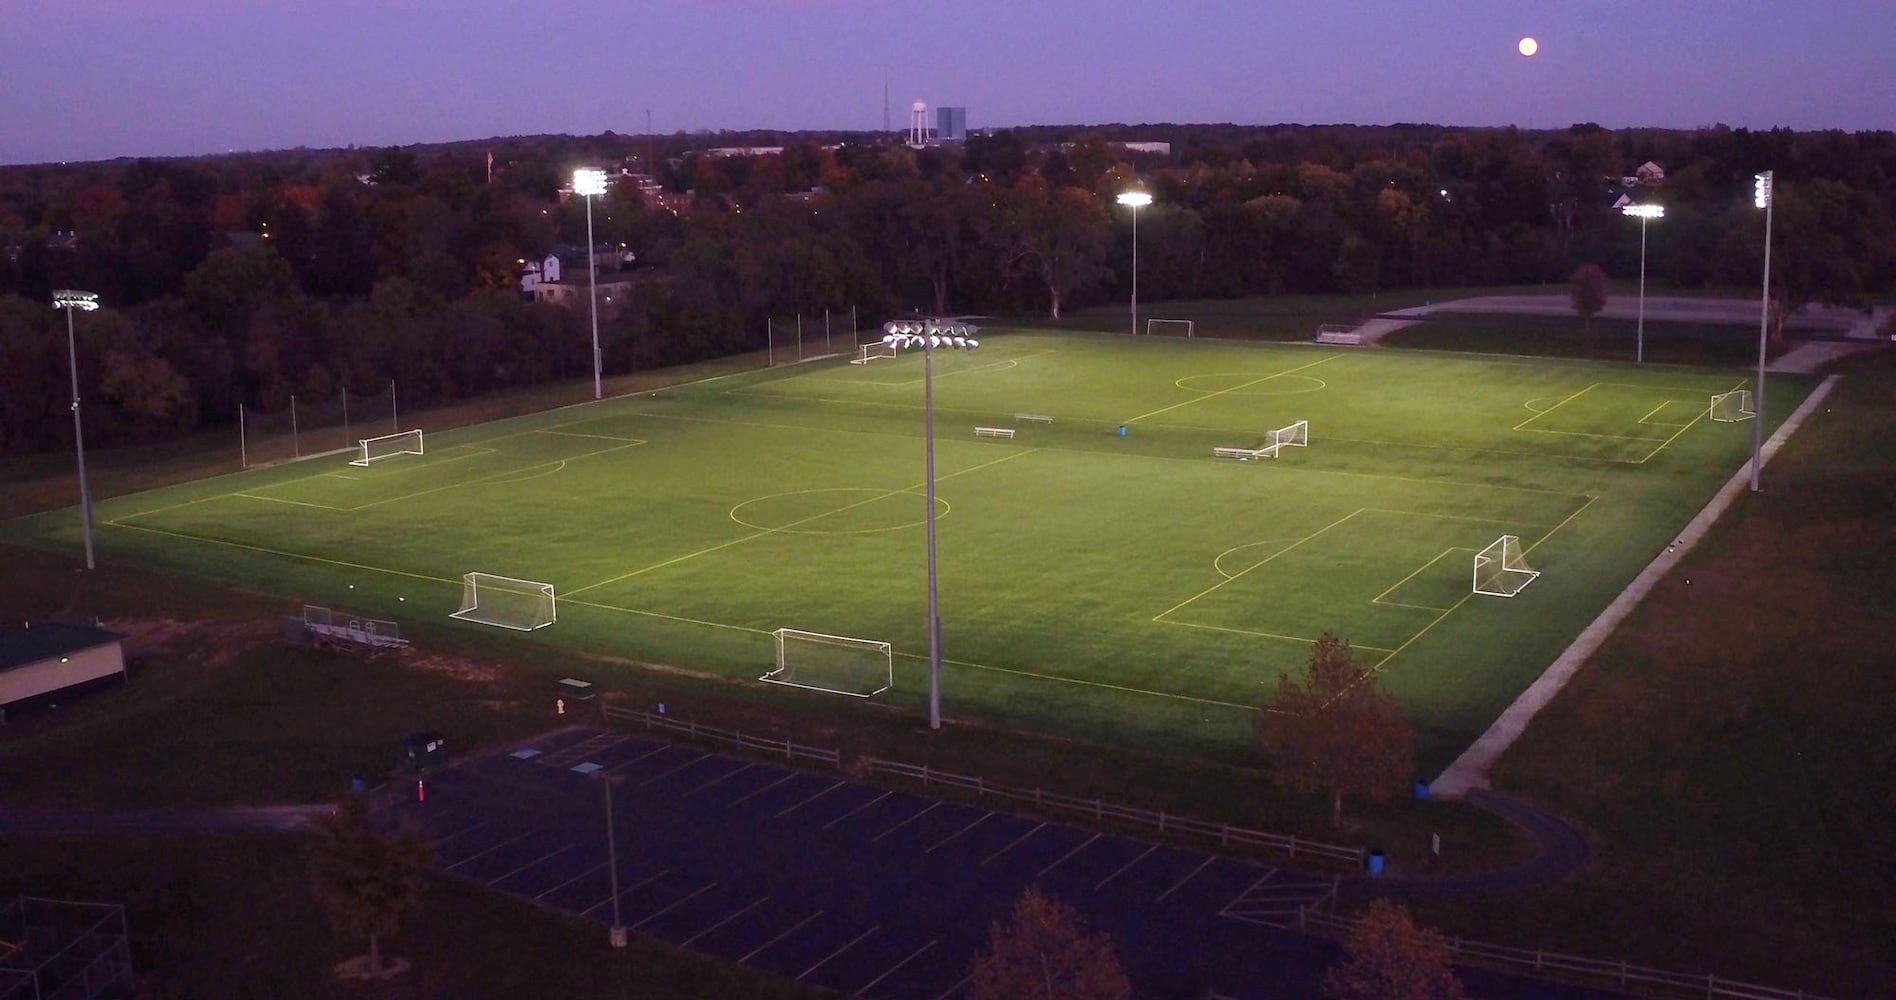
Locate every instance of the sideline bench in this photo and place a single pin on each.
(1244, 453)
(1032, 418)
(994, 432)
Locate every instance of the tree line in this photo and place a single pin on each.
(254, 277)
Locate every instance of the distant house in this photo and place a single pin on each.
(46, 662)
(560, 276)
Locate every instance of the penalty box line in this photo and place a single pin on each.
(1235, 388)
(773, 531)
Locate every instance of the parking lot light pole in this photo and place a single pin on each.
(617, 934)
(930, 335)
(70, 299)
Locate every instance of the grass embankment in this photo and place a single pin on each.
(1568, 337)
(1730, 748)
(230, 915)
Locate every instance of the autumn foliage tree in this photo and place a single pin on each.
(1390, 958)
(1045, 951)
(1334, 730)
(365, 880)
(1589, 292)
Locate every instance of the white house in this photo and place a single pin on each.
(43, 662)
(560, 276)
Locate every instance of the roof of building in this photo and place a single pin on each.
(40, 642)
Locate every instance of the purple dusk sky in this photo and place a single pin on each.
(94, 79)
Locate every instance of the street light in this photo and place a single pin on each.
(1761, 197)
(931, 335)
(1136, 200)
(587, 182)
(1644, 213)
(70, 299)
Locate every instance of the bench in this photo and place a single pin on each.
(1243, 454)
(1032, 418)
(1336, 333)
(994, 432)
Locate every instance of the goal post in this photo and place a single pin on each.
(388, 445)
(836, 664)
(870, 352)
(1733, 406)
(1501, 569)
(504, 602)
(1295, 435)
(1171, 328)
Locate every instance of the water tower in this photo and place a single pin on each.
(918, 124)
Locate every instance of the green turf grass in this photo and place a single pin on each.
(1123, 589)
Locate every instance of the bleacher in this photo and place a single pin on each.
(1338, 333)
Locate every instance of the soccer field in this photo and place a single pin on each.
(1127, 588)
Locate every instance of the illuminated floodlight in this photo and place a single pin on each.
(1644, 211)
(1761, 189)
(72, 298)
(1135, 199)
(589, 181)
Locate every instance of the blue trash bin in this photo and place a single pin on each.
(1421, 789)
(1374, 862)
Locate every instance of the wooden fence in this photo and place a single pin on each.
(1540, 960)
(789, 749)
(1099, 809)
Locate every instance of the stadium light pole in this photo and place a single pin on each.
(1645, 214)
(1761, 197)
(70, 299)
(1135, 200)
(616, 935)
(587, 182)
(929, 335)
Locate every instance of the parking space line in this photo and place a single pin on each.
(569, 881)
(1176, 886)
(937, 805)
(956, 988)
(1063, 858)
(662, 747)
(809, 800)
(707, 887)
(1017, 842)
(1101, 884)
(675, 770)
(642, 883)
(957, 833)
(686, 943)
(714, 781)
(859, 939)
(792, 929)
(477, 824)
(866, 987)
(747, 796)
(1239, 898)
(530, 864)
(485, 853)
(858, 809)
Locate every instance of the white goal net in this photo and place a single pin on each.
(1170, 328)
(870, 352)
(1730, 407)
(388, 445)
(505, 602)
(1296, 435)
(1501, 569)
(860, 668)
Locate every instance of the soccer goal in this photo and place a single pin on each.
(838, 664)
(1296, 435)
(870, 352)
(1170, 328)
(1731, 407)
(388, 445)
(505, 602)
(1501, 569)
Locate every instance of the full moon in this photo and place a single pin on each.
(1529, 46)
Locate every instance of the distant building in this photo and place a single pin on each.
(951, 124)
(1160, 148)
(46, 663)
(560, 277)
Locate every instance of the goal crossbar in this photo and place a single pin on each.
(870, 352)
(505, 602)
(1295, 435)
(388, 445)
(1501, 569)
(832, 664)
(1171, 328)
